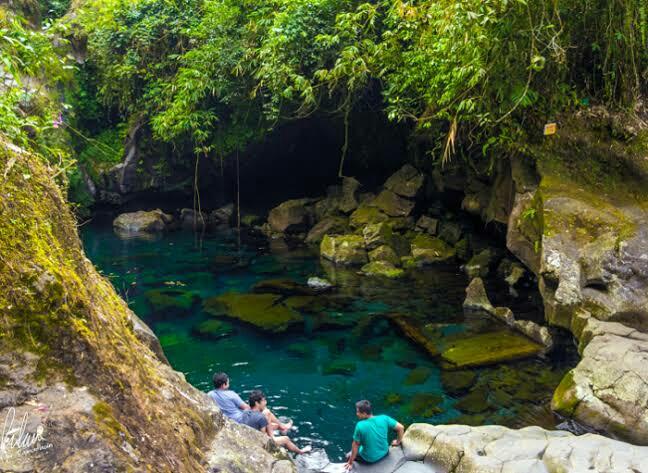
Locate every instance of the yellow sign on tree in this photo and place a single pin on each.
(550, 129)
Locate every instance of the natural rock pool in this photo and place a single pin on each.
(321, 353)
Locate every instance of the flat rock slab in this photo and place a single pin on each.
(395, 462)
(496, 449)
(489, 348)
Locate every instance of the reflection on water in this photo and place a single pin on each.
(337, 348)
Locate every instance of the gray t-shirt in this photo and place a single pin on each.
(229, 402)
(254, 419)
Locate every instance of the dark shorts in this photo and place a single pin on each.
(359, 459)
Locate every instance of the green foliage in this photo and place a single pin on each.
(33, 68)
(216, 74)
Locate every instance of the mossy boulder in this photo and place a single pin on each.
(382, 269)
(384, 253)
(480, 264)
(171, 301)
(406, 182)
(427, 249)
(366, 215)
(393, 205)
(292, 216)
(327, 226)
(263, 311)
(213, 329)
(427, 224)
(344, 249)
(143, 221)
(450, 232)
(488, 348)
(377, 234)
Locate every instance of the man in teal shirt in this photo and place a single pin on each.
(371, 435)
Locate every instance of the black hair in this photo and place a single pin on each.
(363, 406)
(220, 379)
(255, 397)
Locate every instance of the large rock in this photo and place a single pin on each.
(263, 311)
(330, 226)
(392, 204)
(488, 348)
(79, 367)
(377, 234)
(406, 182)
(292, 216)
(142, 221)
(602, 392)
(496, 449)
(427, 250)
(382, 268)
(366, 215)
(344, 249)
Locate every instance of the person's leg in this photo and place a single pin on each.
(284, 441)
(275, 423)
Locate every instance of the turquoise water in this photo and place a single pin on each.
(374, 360)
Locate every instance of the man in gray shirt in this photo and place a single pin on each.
(233, 406)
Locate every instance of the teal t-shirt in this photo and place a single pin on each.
(373, 436)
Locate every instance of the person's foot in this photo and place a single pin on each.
(286, 427)
(306, 449)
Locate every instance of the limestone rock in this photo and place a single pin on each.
(292, 216)
(319, 284)
(603, 393)
(476, 297)
(406, 182)
(344, 249)
(392, 204)
(496, 449)
(143, 221)
(349, 198)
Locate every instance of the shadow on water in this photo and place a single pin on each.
(322, 352)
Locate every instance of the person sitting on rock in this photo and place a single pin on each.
(233, 406)
(257, 418)
(371, 436)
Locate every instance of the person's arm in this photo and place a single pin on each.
(354, 453)
(241, 405)
(400, 431)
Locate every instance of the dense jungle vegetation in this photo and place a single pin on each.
(211, 76)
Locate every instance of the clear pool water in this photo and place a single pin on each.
(346, 351)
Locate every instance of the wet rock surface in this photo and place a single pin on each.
(142, 221)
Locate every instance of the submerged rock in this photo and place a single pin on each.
(489, 348)
(213, 329)
(406, 182)
(418, 375)
(171, 301)
(457, 382)
(286, 287)
(143, 221)
(425, 404)
(345, 368)
(414, 331)
(344, 249)
(263, 311)
(383, 269)
(384, 253)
